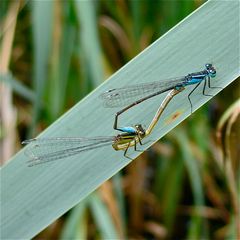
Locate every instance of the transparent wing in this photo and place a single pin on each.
(43, 150)
(126, 95)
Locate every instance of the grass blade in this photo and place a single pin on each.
(33, 197)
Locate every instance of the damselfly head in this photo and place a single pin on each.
(211, 70)
(140, 129)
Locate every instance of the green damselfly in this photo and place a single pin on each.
(43, 150)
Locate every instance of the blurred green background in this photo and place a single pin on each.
(53, 53)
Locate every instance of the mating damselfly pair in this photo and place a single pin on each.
(42, 150)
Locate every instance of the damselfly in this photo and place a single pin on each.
(135, 94)
(42, 150)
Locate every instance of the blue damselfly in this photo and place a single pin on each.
(130, 96)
